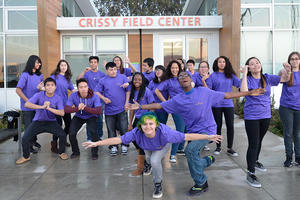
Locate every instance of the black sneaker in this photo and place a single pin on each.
(288, 162)
(147, 169)
(259, 166)
(253, 180)
(32, 150)
(180, 152)
(198, 190)
(297, 161)
(95, 157)
(157, 193)
(217, 151)
(74, 155)
(232, 153)
(37, 145)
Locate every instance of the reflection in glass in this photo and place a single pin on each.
(258, 44)
(108, 58)
(287, 17)
(19, 2)
(77, 64)
(20, 20)
(1, 64)
(71, 9)
(255, 17)
(18, 49)
(198, 50)
(172, 50)
(110, 43)
(77, 43)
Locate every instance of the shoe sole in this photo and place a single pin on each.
(253, 185)
(147, 174)
(199, 193)
(232, 155)
(157, 196)
(124, 153)
(262, 170)
(217, 152)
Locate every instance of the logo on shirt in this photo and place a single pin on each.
(199, 103)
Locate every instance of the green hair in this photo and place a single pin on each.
(145, 116)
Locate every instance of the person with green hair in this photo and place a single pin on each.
(155, 138)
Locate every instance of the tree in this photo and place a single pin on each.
(139, 7)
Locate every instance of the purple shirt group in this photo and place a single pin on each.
(62, 87)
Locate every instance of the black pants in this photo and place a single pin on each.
(67, 121)
(76, 124)
(229, 116)
(37, 127)
(27, 119)
(256, 130)
(141, 151)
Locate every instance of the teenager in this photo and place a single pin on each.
(120, 67)
(86, 106)
(62, 75)
(29, 84)
(182, 64)
(148, 72)
(194, 105)
(155, 138)
(257, 113)
(203, 78)
(47, 104)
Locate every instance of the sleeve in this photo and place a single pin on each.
(23, 80)
(70, 100)
(60, 104)
(129, 136)
(273, 80)
(171, 106)
(172, 136)
(35, 98)
(85, 75)
(127, 72)
(97, 101)
(125, 80)
(163, 86)
(70, 87)
(100, 86)
(215, 97)
(69, 109)
(209, 82)
(236, 81)
(41, 77)
(198, 82)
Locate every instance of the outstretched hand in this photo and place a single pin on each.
(257, 92)
(87, 145)
(134, 106)
(215, 138)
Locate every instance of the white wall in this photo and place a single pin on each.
(9, 100)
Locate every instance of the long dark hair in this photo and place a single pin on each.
(31, 63)
(168, 70)
(163, 77)
(141, 90)
(291, 81)
(263, 78)
(228, 70)
(183, 62)
(121, 65)
(68, 73)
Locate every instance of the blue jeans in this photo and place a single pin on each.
(291, 129)
(197, 164)
(99, 127)
(162, 117)
(180, 126)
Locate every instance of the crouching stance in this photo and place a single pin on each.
(155, 139)
(47, 105)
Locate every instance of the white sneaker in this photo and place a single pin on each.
(173, 159)
(113, 151)
(206, 148)
(124, 150)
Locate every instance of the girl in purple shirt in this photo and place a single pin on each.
(62, 75)
(222, 80)
(155, 139)
(120, 67)
(257, 112)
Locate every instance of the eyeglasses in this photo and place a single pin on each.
(294, 59)
(183, 75)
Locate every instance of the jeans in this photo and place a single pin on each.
(154, 158)
(229, 117)
(118, 121)
(195, 163)
(162, 117)
(27, 119)
(99, 128)
(291, 129)
(76, 124)
(37, 127)
(180, 126)
(256, 130)
(67, 121)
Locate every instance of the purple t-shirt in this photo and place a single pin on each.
(44, 114)
(28, 84)
(146, 99)
(152, 86)
(193, 76)
(290, 95)
(110, 88)
(171, 86)
(222, 84)
(195, 109)
(259, 107)
(93, 78)
(149, 76)
(62, 87)
(198, 82)
(163, 136)
(92, 102)
(127, 72)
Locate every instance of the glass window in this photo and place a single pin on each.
(71, 9)
(20, 2)
(1, 20)
(287, 17)
(173, 49)
(77, 64)
(255, 17)
(287, 1)
(110, 43)
(108, 58)
(256, 1)
(1, 64)
(20, 20)
(18, 49)
(77, 43)
(285, 43)
(258, 44)
(198, 50)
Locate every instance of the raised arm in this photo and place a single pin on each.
(255, 92)
(244, 85)
(109, 141)
(285, 73)
(152, 106)
(195, 136)
(130, 64)
(81, 75)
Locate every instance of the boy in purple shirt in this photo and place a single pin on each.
(47, 104)
(87, 106)
(155, 139)
(112, 89)
(149, 74)
(194, 105)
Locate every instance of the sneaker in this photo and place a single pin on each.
(288, 162)
(198, 190)
(147, 169)
(157, 191)
(297, 161)
(232, 153)
(113, 151)
(253, 180)
(74, 155)
(22, 160)
(259, 166)
(64, 156)
(206, 148)
(124, 150)
(217, 151)
(37, 145)
(180, 152)
(173, 159)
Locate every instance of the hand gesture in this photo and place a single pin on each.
(87, 145)
(81, 106)
(287, 67)
(104, 63)
(126, 106)
(244, 69)
(87, 69)
(46, 104)
(215, 138)
(130, 127)
(134, 106)
(41, 86)
(127, 60)
(107, 100)
(257, 92)
(205, 77)
(125, 85)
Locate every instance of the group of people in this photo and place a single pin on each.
(196, 101)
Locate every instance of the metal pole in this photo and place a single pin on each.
(20, 133)
(141, 51)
